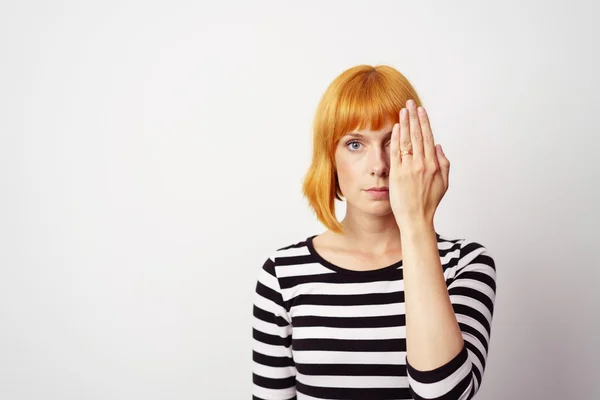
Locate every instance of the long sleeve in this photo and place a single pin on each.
(472, 293)
(273, 369)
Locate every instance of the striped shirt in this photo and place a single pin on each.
(324, 332)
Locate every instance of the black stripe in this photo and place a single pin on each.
(269, 317)
(479, 356)
(351, 345)
(453, 394)
(350, 322)
(271, 361)
(294, 246)
(470, 247)
(477, 276)
(473, 313)
(441, 372)
(269, 293)
(348, 299)
(473, 294)
(453, 248)
(354, 393)
(475, 332)
(296, 260)
(269, 266)
(274, 383)
(334, 277)
(352, 369)
(271, 339)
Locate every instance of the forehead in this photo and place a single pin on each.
(383, 131)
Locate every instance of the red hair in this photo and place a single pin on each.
(362, 97)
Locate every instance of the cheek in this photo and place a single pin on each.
(346, 172)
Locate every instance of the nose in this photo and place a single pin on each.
(379, 162)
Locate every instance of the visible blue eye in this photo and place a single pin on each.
(353, 142)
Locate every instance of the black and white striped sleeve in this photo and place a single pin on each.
(273, 368)
(472, 293)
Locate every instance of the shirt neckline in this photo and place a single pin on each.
(336, 268)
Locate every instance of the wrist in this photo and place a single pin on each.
(415, 226)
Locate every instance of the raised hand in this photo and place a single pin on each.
(418, 168)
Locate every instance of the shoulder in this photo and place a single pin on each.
(288, 254)
(465, 246)
(464, 251)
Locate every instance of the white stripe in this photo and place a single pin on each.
(337, 381)
(446, 258)
(467, 392)
(270, 350)
(302, 396)
(475, 361)
(475, 342)
(273, 372)
(473, 323)
(271, 329)
(468, 258)
(273, 394)
(472, 303)
(476, 382)
(482, 268)
(446, 243)
(344, 288)
(475, 285)
(285, 271)
(345, 357)
(321, 332)
(268, 280)
(267, 305)
(377, 310)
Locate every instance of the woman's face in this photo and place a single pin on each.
(362, 160)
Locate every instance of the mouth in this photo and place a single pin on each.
(378, 189)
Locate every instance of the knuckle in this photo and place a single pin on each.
(419, 167)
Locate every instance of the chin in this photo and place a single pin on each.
(380, 208)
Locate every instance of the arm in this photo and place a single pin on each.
(273, 369)
(448, 327)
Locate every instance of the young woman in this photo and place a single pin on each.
(380, 305)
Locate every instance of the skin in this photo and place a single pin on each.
(379, 232)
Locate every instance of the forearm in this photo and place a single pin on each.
(433, 336)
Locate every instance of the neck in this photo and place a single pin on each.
(375, 235)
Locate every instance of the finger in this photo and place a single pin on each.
(405, 142)
(444, 164)
(427, 134)
(415, 130)
(395, 144)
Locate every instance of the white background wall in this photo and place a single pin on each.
(152, 154)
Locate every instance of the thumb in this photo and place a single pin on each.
(444, 164)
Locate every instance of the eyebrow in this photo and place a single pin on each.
(360, 135)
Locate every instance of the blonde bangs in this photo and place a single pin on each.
(365, 102)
